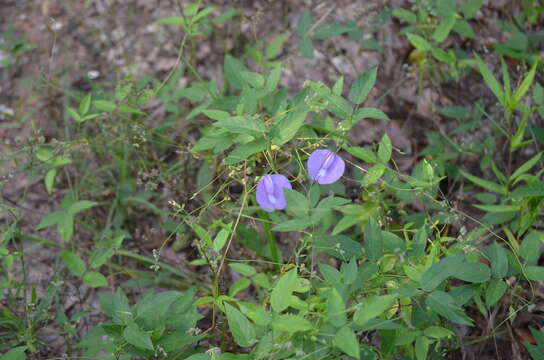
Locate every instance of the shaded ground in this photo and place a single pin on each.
(78, 45)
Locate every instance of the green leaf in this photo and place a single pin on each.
(51, 219)
(490, 80)
(369, 113)
(256, 80)
(336, 310)
(243, 269)
(16, 353)
(85, 104)
(95, 279)
(173, 20)
(422, 347)
(440, 271)
(291, 323)
(463, 28)
(220, 239)
(338, 106)
(242, 125)
(73, 262)
(373, 240)
(232, 68)
(327, 31)
(66, 227)
(293, 225)
(444, 304)
(362, 153)
(372, 307)
(104, 105)
(216, 114)
(489, 185)
(498, 208)
(385, 148)
(243, 152)
(346, 340)
(99, 257)
(474, 272)
(526, 166)
(137, 337)
(526, 83)
(362, 86)
(405, 15)
(535, 273)
(495, 290)
(418, 42)
(241, 328)
(530, 246)
(289, 124)
(50, 180)
(471, 7)
(304, 23)
(80, 206)
(73, 113)
(499, 260)
(281, 294)
(273, 78)
(443, 30)
(373, 174)
(238, 285)
(306, 47)
(275, 47)
(297, 203)
(438, 332)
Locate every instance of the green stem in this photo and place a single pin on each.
(276, 257)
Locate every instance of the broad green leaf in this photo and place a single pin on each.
(16, 353)
(369, 113)
(66, 227)
(385, 148)
(241, 328)
(463, 28)
(44, 155)
(281, 294)
(405, 15)
(373, 240)
(530, 246)
(535, 273)
(242, 125)
(291, 323)
(306, 47)
(99, 257)
(327, 31)
(137, 337)
(51, 219)
(346, 340)
(73, 113)
(440, 271)
(293, 225)
(304, 23)
(362, 86)
(85, 104)
(490, 80)
(474, 272)
(438, 332)
(232, 68)
(336, 310)
(276, 46)
(443, 30)
(499, 260)
(289, 124)
(273, 78)
(173, 20)
(220, 239)
(422, 347)
(362, 153)
(444, 305)
(489, 185)
(243, 152)
(338, 106)
(372, 307)
(104, 105)
(243, 269)
(418, 42)
(495, 290)
(50, 180)
(297, 203)
(373, 174)
(95, 279)
(238, 285)
(471, 7)
(216, 114)
(73, 262)
(256, 80)
(80, 206)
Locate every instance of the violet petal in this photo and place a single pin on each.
(325, 167)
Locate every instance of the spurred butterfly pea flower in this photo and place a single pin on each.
(270, 194)
(325, 167)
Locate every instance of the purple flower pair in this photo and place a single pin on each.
(324, 166)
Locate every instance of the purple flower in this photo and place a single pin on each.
(325, 167)
(270, 192)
